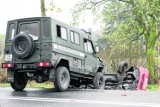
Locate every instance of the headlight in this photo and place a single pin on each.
(8, 57)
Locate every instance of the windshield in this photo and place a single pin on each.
(30, 28)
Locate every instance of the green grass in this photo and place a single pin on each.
(32, 85)
(40, 85)
(4, 84)
(152, 87)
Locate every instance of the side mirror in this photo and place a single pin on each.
(97, 49)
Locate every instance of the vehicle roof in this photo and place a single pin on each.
(82, 33)
(28, 18)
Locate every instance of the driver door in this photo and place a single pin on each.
(89, 56)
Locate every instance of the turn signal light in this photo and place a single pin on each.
(43, 64)
(7, 65)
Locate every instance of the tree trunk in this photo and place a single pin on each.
(43, 11)
(151, 62)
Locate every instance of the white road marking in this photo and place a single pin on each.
(59, 100)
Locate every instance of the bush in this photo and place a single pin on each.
(3, 75)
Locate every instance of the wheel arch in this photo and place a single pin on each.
(101, 69)
(63, 62)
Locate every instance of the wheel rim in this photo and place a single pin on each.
(63, 78)
(21, 45)
(124, 68)
(100, 82)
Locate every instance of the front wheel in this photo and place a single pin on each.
(20, 81)
(62, 79)
(98, 81)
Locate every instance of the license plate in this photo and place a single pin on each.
(8, 57)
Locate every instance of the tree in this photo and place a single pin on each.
(128, 19)
(50, 7)
(43, 11)
(2, 71)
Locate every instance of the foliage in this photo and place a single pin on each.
(124, 21)
(152, 87)
(48, 6)
(2, 71)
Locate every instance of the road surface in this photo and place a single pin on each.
(78, 98)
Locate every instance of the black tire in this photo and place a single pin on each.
(62, 80)
(22, 46)
(99, 81)
(122, 67)
(20, 81)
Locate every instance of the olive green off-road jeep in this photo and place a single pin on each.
(44, 49)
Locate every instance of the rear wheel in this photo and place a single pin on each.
(20, 81)
(98, 81)
(62, 79)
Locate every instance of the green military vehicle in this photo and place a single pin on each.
(45, 49)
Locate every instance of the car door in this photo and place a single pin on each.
(89, 56)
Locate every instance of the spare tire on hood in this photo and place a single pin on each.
(22, 46)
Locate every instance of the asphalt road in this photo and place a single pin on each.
(78, 98)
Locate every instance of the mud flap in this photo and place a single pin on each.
(10, 76)
(52, 75)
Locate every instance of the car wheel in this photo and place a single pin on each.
(98, 81)
(20, 81)
(62, 79)
(22, 46)
(122, 67)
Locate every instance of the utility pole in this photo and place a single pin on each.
(43, 11)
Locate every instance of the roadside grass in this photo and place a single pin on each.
(51, 85)
(32, 85)
(4, 85)
(152, 87)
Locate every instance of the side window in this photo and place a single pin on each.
(62, 32)
(75, 37)
(72, 37)
(11, 31)
(88, 46)
(85, 45)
